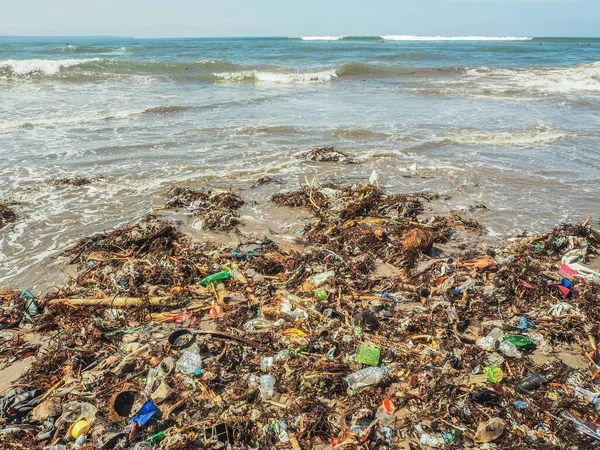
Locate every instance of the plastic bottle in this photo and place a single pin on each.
(492, 341)
(58, 447)
(283, 355)
(505, 261)
(252, 381)
(509, 349)
(430, 440)
(190, 363)
(142, 446)
(151, 380)
(155, 438)
(265, 362)
(518, 339)
(267, 386)
(223, 275)
(469, 283)
(592, 397)
(365, 377)
(80, 441)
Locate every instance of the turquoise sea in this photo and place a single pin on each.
(512, 123)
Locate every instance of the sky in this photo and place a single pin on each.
(200, 18)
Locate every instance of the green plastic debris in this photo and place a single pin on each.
(223, 275)
(322, 294)
(367, 355)
(156, 438)
(518, 339)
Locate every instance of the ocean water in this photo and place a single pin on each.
(504, 122)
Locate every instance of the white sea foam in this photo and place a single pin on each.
(64, 120)
(577, 78)
(274, 77)
(537, 136)
(581, 78)
(321, 38)
(44, 66)
(454, 38)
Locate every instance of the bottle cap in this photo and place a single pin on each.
(78, 428)
(495, 374)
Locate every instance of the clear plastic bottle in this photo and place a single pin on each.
(267, 386)
(80, 441)
(509, 349)
(465, 286)
(151, 380)
(592, 397)
(505, 261)
(492, 341)
(365, 377)
(266, 362)
(190, 363)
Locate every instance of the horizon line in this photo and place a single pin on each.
(284, 36)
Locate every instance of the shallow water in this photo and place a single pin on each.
(509, 124)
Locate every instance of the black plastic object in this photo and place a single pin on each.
(181, 339)
(332, 314)
(531, 383)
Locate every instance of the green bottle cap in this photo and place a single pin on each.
(494, 374)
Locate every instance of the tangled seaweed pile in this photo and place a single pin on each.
(161, 341)
(76, 181)
(329, 154)
(7, 215)
(217, 209)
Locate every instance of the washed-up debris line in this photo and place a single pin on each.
(217, 209)
(7, 215)
(76, 181)
(385, 328)
(329, 154)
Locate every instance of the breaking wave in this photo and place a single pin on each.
(38, 66)
(546, 80)
(454, 38)
(408, 37)
(321, 38)
(355, 68)
(253, 76)
(466, 80)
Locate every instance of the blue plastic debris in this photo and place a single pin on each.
(143, 416)
(248, 254)
(31, 308)
(524, 324)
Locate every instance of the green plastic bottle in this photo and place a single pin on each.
(156, 438)
(223, 275)
(518, 339)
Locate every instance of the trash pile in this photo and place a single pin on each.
(387, 329)
(216, 209)
(329, 154)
